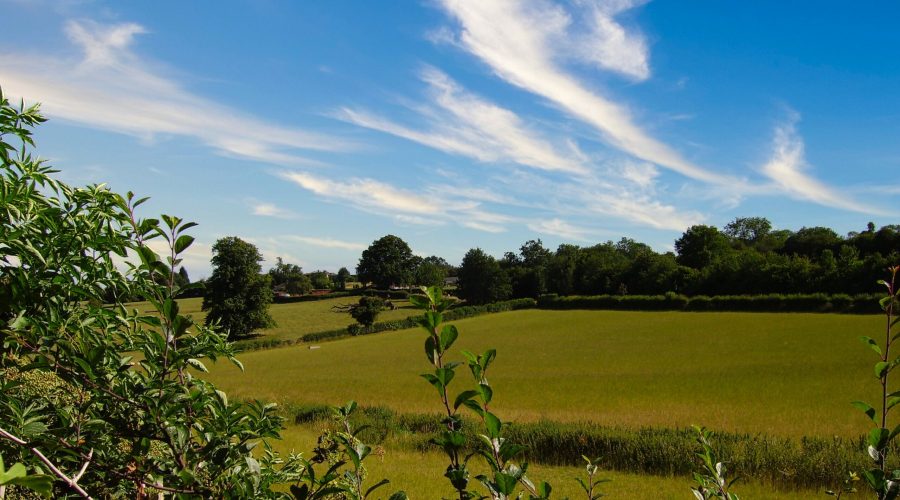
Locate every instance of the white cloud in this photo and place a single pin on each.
(327, 242)
(365, 193)
(559, 227)
(522, 43)
(270, 210)
(788, 168)
(465, 124)
(609, 45)
(406, 206)
(112, 88)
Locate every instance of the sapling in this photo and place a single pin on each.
(498, 453)
(883, 481)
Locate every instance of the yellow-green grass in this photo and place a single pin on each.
(299, 318)
(778, 374)
(420, 475)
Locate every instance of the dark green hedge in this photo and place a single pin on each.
(818, 302)
(453, 314)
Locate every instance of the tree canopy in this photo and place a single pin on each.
(237, 295)
(481, 280)
(387, 262)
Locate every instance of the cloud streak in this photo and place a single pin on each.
(788, 168)
(523, 42)
(465, 124)
(111, 88)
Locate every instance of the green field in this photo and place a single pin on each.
(779, 374)
(421, 475)
(299, 318)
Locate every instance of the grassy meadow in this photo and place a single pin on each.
(778, 374)
(299, 318)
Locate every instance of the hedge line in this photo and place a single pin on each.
(310, 298)
(449, 315)
(818, 302)
(815, 462)
(384, 326)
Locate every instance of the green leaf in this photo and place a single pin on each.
(196, 363)
(39, 483)
(487, 394)
(872, 344)
(431, 350)
(183, 242)
(878, 438)
(865, 408)
(419, 301)
(492, 424)
(881, 369)
(463, 396)
(449, 335)
(375, 487)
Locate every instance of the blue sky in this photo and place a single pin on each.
(314, 128)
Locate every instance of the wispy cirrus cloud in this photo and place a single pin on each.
(265, 209)
(112, 88)
(327, 242)
(525, 43)
(406, 206)
(559, 227)
(462, 123)
(608, 44)
(788, 168)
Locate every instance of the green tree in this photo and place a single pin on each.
(343, 276)
(481, 280)
(366, 311)
(748, 230)
(320, 280)
(289, 278)
(387, 262)
(237, 295)
(700, 245)
(431, 271)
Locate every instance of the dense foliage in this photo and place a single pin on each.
(237, 295)
(100, 396)
(387, 262)
(289, 278)
(481, 280)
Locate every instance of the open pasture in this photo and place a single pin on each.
(779, 374)
(295, 319)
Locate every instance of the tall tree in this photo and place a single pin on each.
(237, 295)
(343, 276)
(748, 230)
(388, 261)
(700, 245)
(481, 280)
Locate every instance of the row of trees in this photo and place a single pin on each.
(747, 257)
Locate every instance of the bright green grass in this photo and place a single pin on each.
(420, 475)
(782, 374)
(299, 318)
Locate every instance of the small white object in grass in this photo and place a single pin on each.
(314, 347)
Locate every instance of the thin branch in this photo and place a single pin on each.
(72, 483)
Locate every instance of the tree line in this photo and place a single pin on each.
(746, 257)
